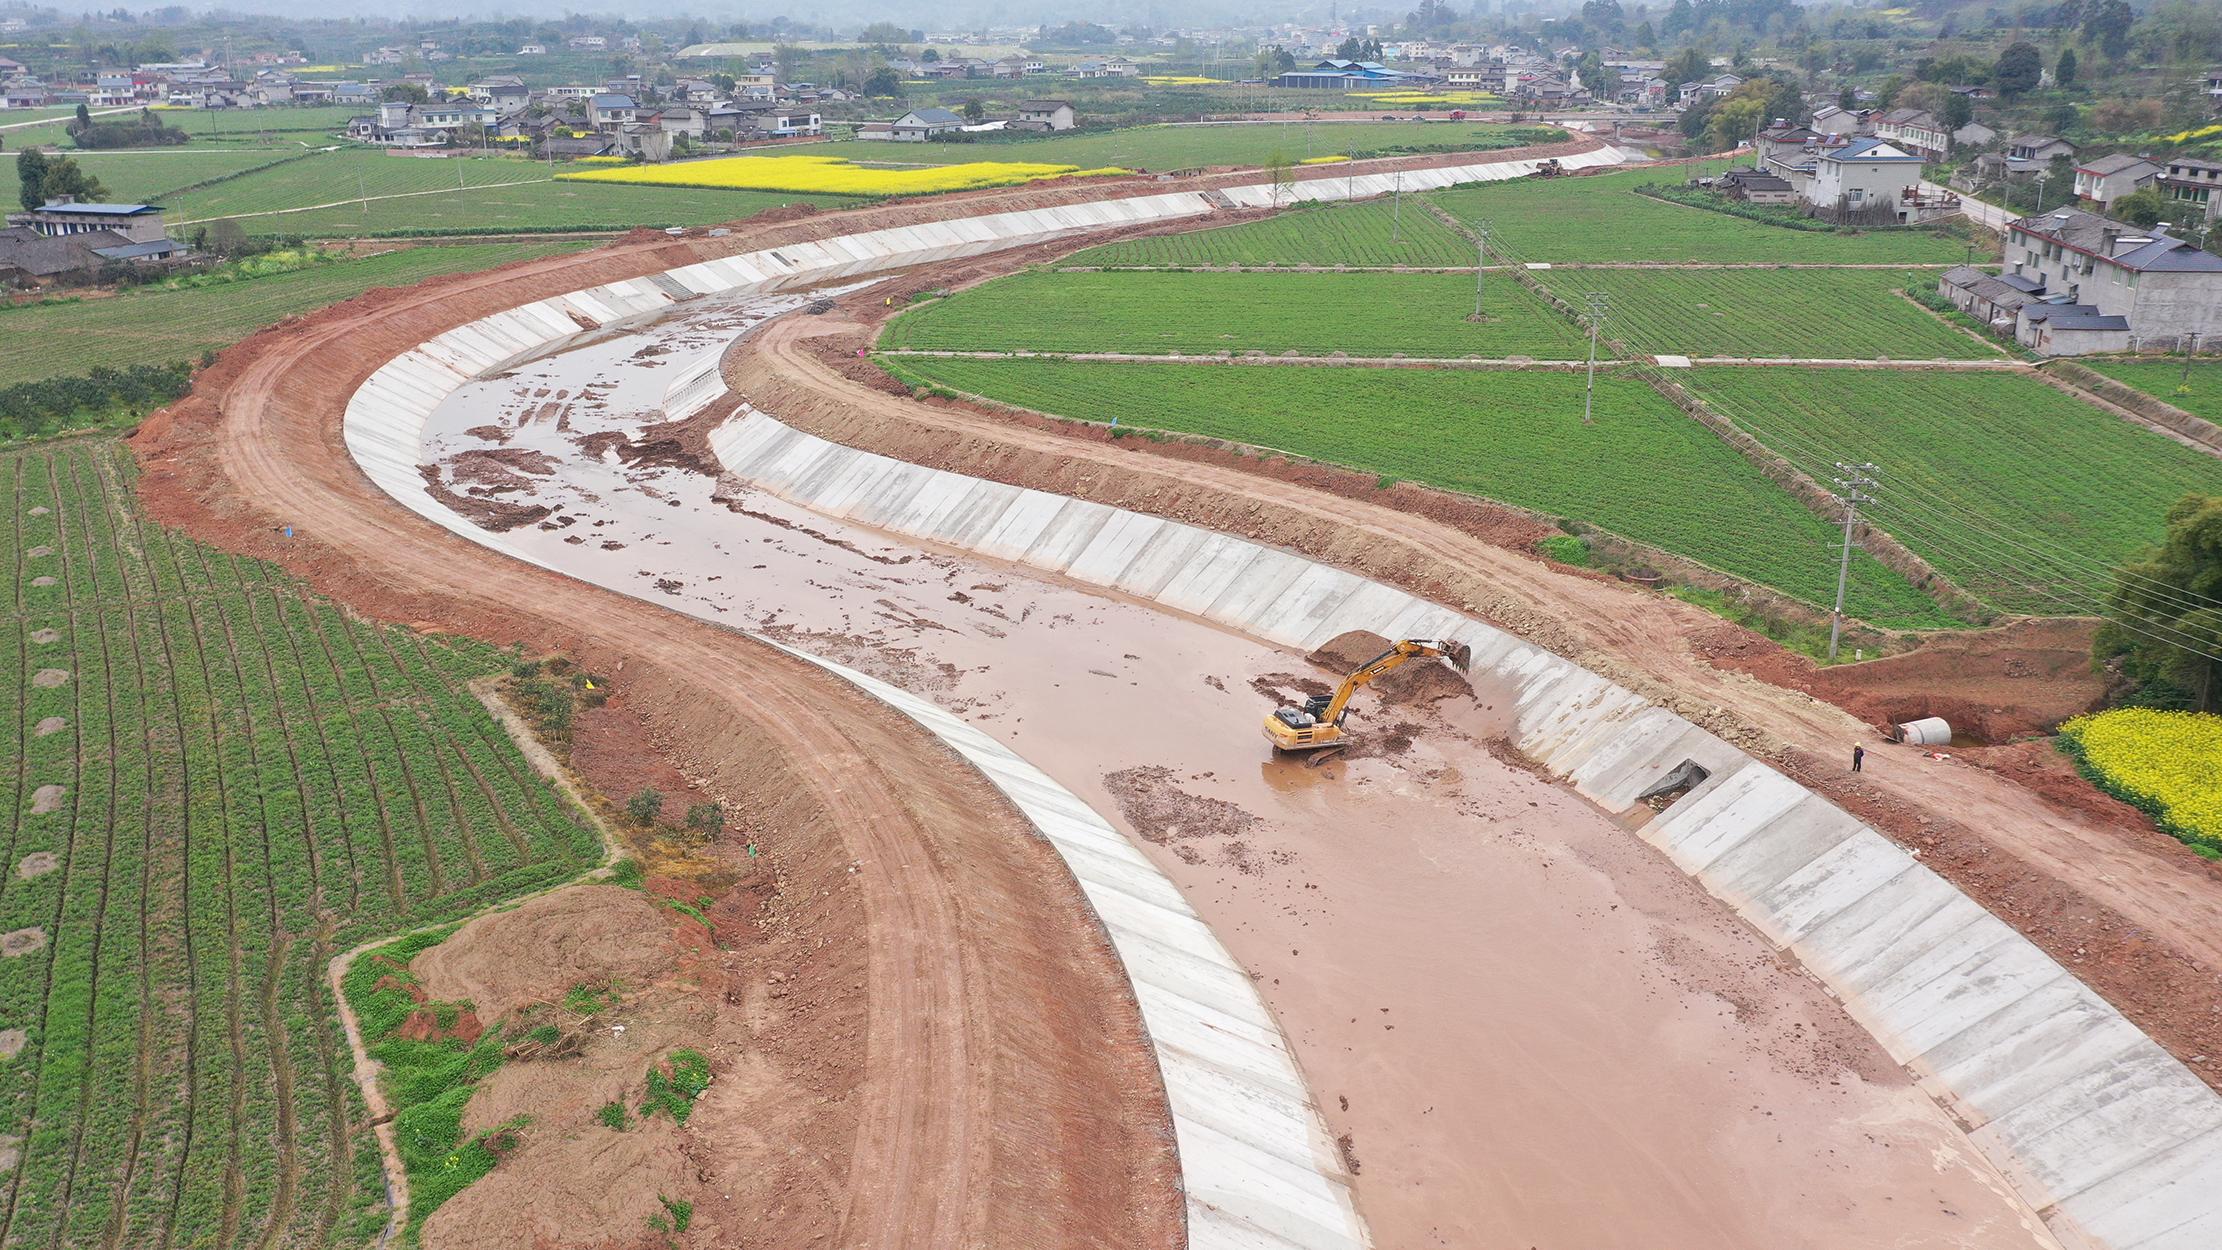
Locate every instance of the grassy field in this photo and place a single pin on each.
(219, 783)
(252, 125)
(1601, 218)
(152, 176)
(1310, 234)
(159, 327)
(329, 176)
(535, 205)
(1830, 314)
(1978, 470)
(1367, 314)
(2160, 378)
(1186, 146)
(1642, 469)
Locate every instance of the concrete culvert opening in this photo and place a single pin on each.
(1929, 731)
(1680, 780)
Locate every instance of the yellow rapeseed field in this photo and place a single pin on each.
(2168, 763)
(1180, 80)
(1323, 160)
(832, 175)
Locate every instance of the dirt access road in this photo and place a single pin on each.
(2132, 911)
(967, 1065)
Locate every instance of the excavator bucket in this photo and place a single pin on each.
(1459, 654)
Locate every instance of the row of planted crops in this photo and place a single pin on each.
(221, 781)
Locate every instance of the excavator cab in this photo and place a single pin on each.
(1318, 724)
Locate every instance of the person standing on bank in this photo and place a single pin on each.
(1859, 753)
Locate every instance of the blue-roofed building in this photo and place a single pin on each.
(1337, 74)
(137, 223)
(2102, 285)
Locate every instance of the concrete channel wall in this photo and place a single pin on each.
(1258, 1167)
(2118, 1144)
(2108, 1136)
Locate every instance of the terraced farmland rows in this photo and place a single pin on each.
(245, 780)
(2202, 393)
(1599, 218)
(162, 327)
(2018, 492)
(1830, 314)
(1371, 314)
(1311, 234)
(1642, 469)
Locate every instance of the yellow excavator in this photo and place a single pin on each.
(1318, 724)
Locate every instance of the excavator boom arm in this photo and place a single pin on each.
(1403, 652)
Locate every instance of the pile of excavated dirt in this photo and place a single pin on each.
(1992, 685)
(656, 983)
(1418, 681)
(535, 952)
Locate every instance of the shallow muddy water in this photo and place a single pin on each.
(1525, 1026)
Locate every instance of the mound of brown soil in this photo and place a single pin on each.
(1992, 684)
(1419, 681)
(501, 962)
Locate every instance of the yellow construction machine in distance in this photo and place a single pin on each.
(1318, 724)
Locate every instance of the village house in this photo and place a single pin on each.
(919, 125)
(1916, 131)
(1045, 115)
(2109, 178)
(2101, 285)
(1838, 122)
(1993, 299)
(1864, 180)
(2191, 181)
(608, 109)
(2039, 149)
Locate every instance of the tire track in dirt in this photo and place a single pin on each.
(1006, 1095)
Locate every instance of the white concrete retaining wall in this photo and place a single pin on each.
(1256, 1161)
(2101, 1130)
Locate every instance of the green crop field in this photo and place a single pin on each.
(534, 206)
(2202, 393)
(1188, 146)
(1642, 469)
(1829, 314)
(1310, 234)
(250, 125)
(161, 327)
(219, 782)
(1359, 314)
(328, 177)
(151, 176)
(2020, 493)
(1600, 217)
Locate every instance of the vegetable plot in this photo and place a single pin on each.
(1369, 233)
(1371, 314)
(2168, 764)
(219, 783)
(2018, 492)
(1826, 314)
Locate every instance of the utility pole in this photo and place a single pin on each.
(1851, 488)
(1598, 307)
(2190, 349)
(1481, 263)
